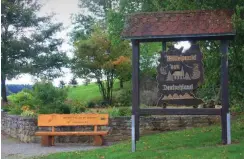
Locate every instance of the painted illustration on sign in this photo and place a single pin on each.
(179, 74)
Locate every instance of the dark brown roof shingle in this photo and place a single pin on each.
(179, 23)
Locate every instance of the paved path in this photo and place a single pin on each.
(13, 149)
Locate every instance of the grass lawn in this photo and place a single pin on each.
(197, 143)
(86, 93)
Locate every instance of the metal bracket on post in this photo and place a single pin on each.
(133, 137)
(228, 128)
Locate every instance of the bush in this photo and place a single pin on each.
(124, 112)
(76, 106)
(28, 113)
(14, 109)
(117, 112)
(237, 108)
(24, 97)
(96, 102)
(49, 99)
(149, 97)
(91, 104)
(122, 97)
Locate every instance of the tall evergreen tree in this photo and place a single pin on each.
(28, 42)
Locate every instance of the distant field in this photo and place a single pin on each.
(86, 93)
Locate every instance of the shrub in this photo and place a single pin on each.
(117, 112)
(96, 102)
(113, 112)
(76, 106)
(49, 99)
(28, 113)
(24, 97)
(91, 104)
(149, 97)
(122, 97)
(14, 109)
(237, 108)
(124, 111)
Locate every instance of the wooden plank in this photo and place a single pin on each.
(207, 111)
(70, 133)
(135, 84)
(224, 89)
(72, 119)
(53, 130)
(186, 38)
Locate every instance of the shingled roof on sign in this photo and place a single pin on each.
(178, 24)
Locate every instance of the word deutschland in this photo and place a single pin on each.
(180, 87)
(182, 58)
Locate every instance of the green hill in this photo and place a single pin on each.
(86, 93)
(196, 143)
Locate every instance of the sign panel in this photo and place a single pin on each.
(72, 119)
(179, 74)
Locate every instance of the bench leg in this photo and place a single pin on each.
(53, 140)
(98, 140)
(46, 141)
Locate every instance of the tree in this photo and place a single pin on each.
(122, 69)
(82, 26)
(87, 81)
(73, 82)
(28, 42)
(61, 84)
(94, 59)
(99, 8)
(97, 12)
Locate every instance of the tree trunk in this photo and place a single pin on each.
(121, 84)
(101, 88)
(3, 85)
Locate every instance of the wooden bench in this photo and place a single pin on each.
(56, 120)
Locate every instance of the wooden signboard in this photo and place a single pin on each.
(179, 74)
(72, 119)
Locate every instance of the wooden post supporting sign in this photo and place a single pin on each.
(225, 113)
(136, 85)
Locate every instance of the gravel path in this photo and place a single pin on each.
(13, 149)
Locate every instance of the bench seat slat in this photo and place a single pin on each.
(91, 133)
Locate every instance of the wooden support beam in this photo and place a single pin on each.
(160, 111)
(136, 85)
(53, 130)
(163, 46)
(225, 113)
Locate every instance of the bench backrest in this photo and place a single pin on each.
(72, 119)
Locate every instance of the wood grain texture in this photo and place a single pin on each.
(176, 111)
(72, 119)
(71, 133)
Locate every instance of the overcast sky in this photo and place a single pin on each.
(63, 10)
